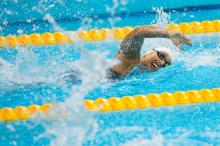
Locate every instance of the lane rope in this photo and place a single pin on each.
(119, 104)
(48, 38)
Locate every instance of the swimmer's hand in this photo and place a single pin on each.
(178, 39)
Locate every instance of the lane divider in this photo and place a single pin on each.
(124, 103)
(22, 112)
(48, 38)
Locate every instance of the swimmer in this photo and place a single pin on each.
(129, 53)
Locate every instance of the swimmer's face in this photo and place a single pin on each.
(155, 60)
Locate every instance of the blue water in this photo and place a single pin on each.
(21, 17)
(196, 67)
(196, 124)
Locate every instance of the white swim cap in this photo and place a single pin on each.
(167, 50)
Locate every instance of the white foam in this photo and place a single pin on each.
(155, 141)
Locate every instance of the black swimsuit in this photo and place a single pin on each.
(72, 76)
(113, 76)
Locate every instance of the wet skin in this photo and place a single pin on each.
(129, 53)
(153, 61)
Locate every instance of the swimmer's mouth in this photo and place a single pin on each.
(154, 65)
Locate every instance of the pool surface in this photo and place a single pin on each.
(35, 77)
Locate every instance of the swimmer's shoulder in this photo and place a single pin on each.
(113, 75)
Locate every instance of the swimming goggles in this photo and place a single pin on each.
(162, 58)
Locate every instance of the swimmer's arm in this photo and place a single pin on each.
(153, 32)
(132, 43)
(129, 53)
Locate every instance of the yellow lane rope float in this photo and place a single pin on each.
(22, 112)
(101, 34)
(124, 103)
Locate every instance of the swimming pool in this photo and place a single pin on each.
(195, 68)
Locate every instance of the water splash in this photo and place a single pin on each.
(155, 141)
(201, 56)
(160, 140)
(76, 124)
(113, 9)
(79, 124)
(202, 59)
(162, 18)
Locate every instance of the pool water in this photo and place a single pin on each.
(195, 67)
(191, 124)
